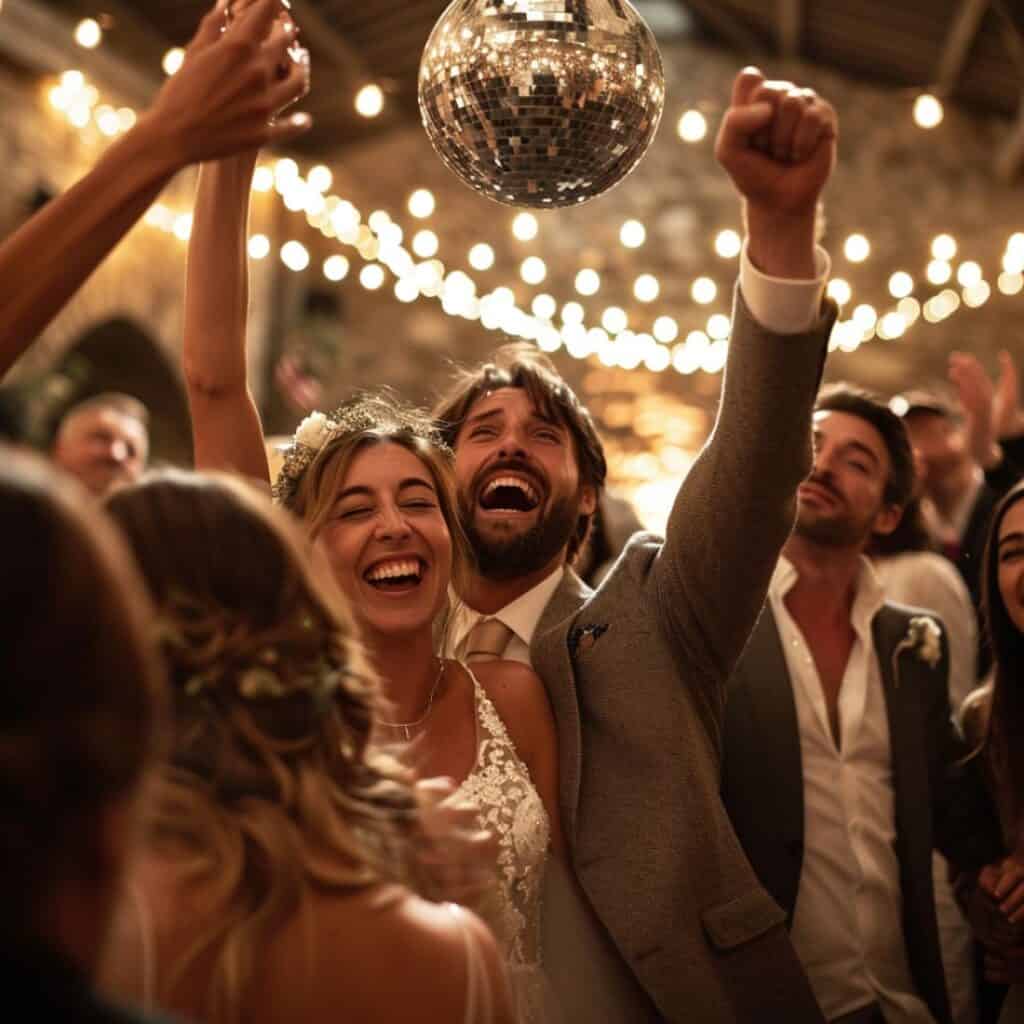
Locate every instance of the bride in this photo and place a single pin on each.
(374, 486)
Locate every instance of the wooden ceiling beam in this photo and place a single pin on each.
(324, 39)
(791, 27)
(729, 27)
(958, 43)
(1010, 158)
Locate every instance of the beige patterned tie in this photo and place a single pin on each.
(487, 640)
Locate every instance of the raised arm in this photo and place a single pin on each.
(222, 101)
(736, 507)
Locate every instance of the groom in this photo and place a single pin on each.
(668, 921)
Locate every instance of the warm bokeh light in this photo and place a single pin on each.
(533, 270)
(525, 227)
(977, 294)
(839, 291)
(588, 282)
(901, 284)
(939, 271)
(544, 306)
(632, 234)
(481, 256)
(968, 274)
(572, 313)
(1011, 283)
(693, 126)
(262, 179)
(336, 268)
(370, 100)
(88, 33)
(422, 203)
(865, 317)
(719, 327)
(666, 330)
(728, 244)
(371, 277)
(614, 319)
(943, 247)
(928, 112)
(893, 326)
(646, 288)
(320, 178)
(704, 291)
(173, 59)
(259, 247)
(425, 244)
(294, 256)
(183, 227)
(857, 248)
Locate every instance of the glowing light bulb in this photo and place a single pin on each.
(588, 282)
(173, 59)
(422, 203)
(839, 291)
(666, 330)
(968, 274)
(857, 248)
(614, 319)
(370, 100)
(693, 126)
(425, 244)
(262, 179)
(928, 112)
(294, 256)
(320, 178)
(728, 244)
(704, 291)
(371, 277)
(893, 326)
(938, 271)
(719, 326)
(632, 234)
(525, 227)
(259, 247)
(901, 284)
(335, 268)
(481, 256)
(865, 317)
(1011, 283)
(646, 288)
(572, 313)
(88, 33)
(533, 270)
(544, 306)
(943, 247)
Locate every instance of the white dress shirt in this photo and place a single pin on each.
(520, 615)
(847, 924)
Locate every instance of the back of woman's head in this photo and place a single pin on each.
(83, 687)
(273, 784)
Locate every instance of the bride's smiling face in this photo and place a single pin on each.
(387, 541)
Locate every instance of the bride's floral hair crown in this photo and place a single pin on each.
(378, 415)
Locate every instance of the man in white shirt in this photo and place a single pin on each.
(841, 763)
(673, 925)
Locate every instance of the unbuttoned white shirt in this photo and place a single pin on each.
(847, 924)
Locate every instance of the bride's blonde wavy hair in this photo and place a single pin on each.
(273, 787)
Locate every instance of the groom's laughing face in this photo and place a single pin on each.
(520, 494)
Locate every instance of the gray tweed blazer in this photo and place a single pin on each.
(636, 673)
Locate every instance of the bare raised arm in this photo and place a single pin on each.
(222, 101)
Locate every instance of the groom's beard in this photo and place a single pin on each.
(522, 553)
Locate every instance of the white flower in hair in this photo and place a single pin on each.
(314, 431)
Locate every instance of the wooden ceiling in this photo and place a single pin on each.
(971, 50)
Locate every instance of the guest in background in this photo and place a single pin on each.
(224, 100)
(840, 769)
(911, 573)
(79, 727)
(103, 442)
(270, 886)
(994, 723)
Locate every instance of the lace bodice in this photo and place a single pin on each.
(511, 808)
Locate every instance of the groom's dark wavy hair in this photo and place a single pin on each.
(518, 365)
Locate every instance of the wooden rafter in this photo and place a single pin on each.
(958, 43)
(1010, 157)
(745, 42)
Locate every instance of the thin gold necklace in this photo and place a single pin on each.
(407, 727)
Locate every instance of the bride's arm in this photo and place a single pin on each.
(228, 434)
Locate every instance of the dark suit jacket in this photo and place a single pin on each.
(937, 801)
(636, 673)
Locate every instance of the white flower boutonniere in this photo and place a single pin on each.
(313, 431)
(924, 638)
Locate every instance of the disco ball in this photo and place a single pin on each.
(541, 103)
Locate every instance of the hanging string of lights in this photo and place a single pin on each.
(551, 324)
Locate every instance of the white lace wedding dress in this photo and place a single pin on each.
(510, 807)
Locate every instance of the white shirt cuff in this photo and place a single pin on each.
(784, 305)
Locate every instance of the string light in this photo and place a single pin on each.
(544, 306)
(588, 282)
(425, 244)
(422, 203)
(369, 100)
(259, 247)
(666, 330)
(944, 247)
(692, 126)
(857, 248)
(336, 268)
(572, 313)
(371, 277)
(88, 33)
(646, 288)
(320, 178)
(295, 256)
(614, 319)
(901, 284)
(704, 291)
(839, 291)
(525, 227)
(928, 112)
(481, 256)
(938, 271)
(968, 274)
(632, 234)
(728, 244)
(173, 59)
(533, 270)
(263, 179)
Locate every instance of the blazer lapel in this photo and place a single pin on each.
(550, 655)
